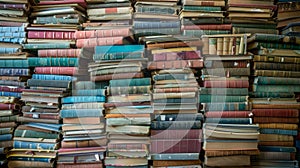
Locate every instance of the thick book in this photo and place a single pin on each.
(275, 120)
(277, 73)
(219, 144)
(100, 41)
(228, 114)
(228, 106)
(102, 33)
(175, 146)
(226, 72)
(224, 91)
(231, 161)
(130, 82)
(49, 83)
(175, 156)
(275, 66)
(161, 125)
(275, 112)
(176, 134)
(276, 88)
(178, 64)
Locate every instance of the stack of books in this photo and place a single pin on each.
(128, 112)
(252, 16)
(54, 24)
(224, 96)
(204, 18)
(174, 60)
(287, 13)
(9, 110)
(84, 137)
(156, 18)
(14, 68)
(108, 14)
(275, 108)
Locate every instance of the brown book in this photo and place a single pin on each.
(276, 106)
(236, 160)
(32, 153)
(227, 84)
(85, 120)
(26, 119)
(178, 64)
(275, 120)
(165, 163)
(275, 137)
(85, 143)
(216, 153)
(285, 59)
(276, 156)
(277, 73)
(6, 144)
(31, 164)
(276, 66)
(117, 76)
(228, 72)
(276, 143)
(212, 46)
(204, 3)
(220, 44)
(279, 126)
(230, 145)
(275, 112)
(174, 44)
(205, 49)
(8, 124)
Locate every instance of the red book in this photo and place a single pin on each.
(4, 106)
(257, 120)
(57, 70)
(42, 116)
(226, 84)
(102, 33)
(80, 165)
(13, 24)
(207, 27)
(51, 35)
(178, 64)
(175, 146)
(11, 89)
(176, 134)
(92, 42)
(228, 114)
(170, 56)
(275, 112)
(59, 53)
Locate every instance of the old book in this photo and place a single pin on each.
(176, 134)
(164, 163)
(175, 146)
(277, 73)
(220, 153)
(275, 137)
(230, 145)
(275, 120)
(222, 72)
(275, 112)
(238, 160)
(175, 64)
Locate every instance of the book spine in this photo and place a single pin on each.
(205, 3)
(175, 64)
(41, 116)
(130, 82)
(220, 45)
(276, 88)
(158, 125)
(215, 98)
(10, 94)
(227, 84)
(229, 120)
(41, 62)
(130, 90)
(205, 49)
(175, 146)
(227, 71)
(212, 46)
(241, 106)
(4, 50)
(226, 45)
(8, 106)
(53, 20)
(13, 35)
(49, 83)
(275, 120)
(228, 114)
(53, 77)
(264, 80)
(12, 29)
(171, 56)
(81, 99)
(277, 73)
(102, 33)
(279, 126)
(178, 117)
(18, 163)
(176, 134)
(92, 92)
(50, 35)
(275, 112)
(156, 25)
(13, 40)
(34, 46)
(86, 143)
(118, 56)
(11, 89)
(8, 118)
(207, 27)
(115, 10)
(5, 137)
(276, 66)
(59, 53)
(34, 145)
(277, 149)
(278, 131)
(92, 42)
(73, 113)
(78, 165)
(170, 90)
(56, 70)
(34, 134)
(155, 10)
(117, 76)
(13, 6)
(14, 72)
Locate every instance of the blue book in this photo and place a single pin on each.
(229, 120)
(50, 127)
(13, 40)
(278, 131)
(34, 145)
(4, 50)
(53, 77)
(35, 46)
(83, 99)
(89, 92)
(155, 24)
(74, 113)
(14, 63)
(43, 62)
(5, 137)
(232, 106)
(14, 72)
(12, 29)
(33, 159)
(11, 94)
(175, 156)
(277, 149)
(13, 34)
(130, 82)
(121, 48)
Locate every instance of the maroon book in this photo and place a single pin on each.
(175, 146)
(176, 134)
(275, 112)
(178, 64)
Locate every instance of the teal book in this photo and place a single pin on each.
(83, 99)
(199, 33)
(79, 113)
(54, 62)
(202, 8)
(89, 92)
(276, 88)
(35, 134)
(159, 77)
(227, 106)
(130, 82)
(278, 131)
(273, 38)
(229, 120)
(118, 56)
(14, 63)
(272, 94)
(34, 145)
(258, 45)
(117, 49)
(264, 80)
(175, 156)
(224, 91)
(34, 46)
(49, 83)
(277, 149)
(221, 98)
